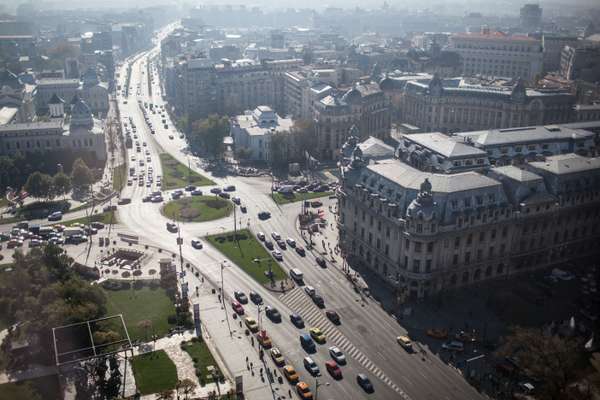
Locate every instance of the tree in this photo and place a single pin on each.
(81, 176)
(145, 324)
(207, 135)
(185, 386)
(552, 359)
(279, 149)
(243, 153)
(61, 183)
(39, 185)
(304, 137)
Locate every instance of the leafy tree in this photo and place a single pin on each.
(279, 149)
(243, 153)
(39, 185)
(207, 135)
(552, 359)
(81, 176)
(61, 183)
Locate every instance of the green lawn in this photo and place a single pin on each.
(119, 177)
(281, 199)
(197, 208)
(141, 304)
(105, 217)
(177, 175)
(243, 255)
(44, 388)
(202, 358)
(154, 372)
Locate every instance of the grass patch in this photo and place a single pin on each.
(146, 303)
(119, 177)
(154, 372)
(44, 388)
(197, 208)
(294, 197)
(177, 175)
(106, 218)
(202, 358)
(243, 251)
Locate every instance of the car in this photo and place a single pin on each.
(260, 236)
(318, 335)
(297, 320)
(318, 300)
(196, 192)
(243, 209)
(55, 216)
(236, 200)
(453, 345)
(123, 201)
(290, 373)
(241, 297)
(156, 199)
(333, 369)
(237, 307)
(129, 182)
(291, 242)
(300, 250)
(97, 225)
(277, 357)
(251, 324)
(303, 390)
(276, 236)
(269, 245)
(190, 188)
(365, 383)
(337, 355)
(171, 137)
(215, 190)
(316, 203)
(229, 188)
(307, 343)
(264, 339)
(197, 244)
(264, 215)
(277, 255)
(405, 342)
(256, 298)
(309, 290)
(281, 244)
(273, 314)
(311, 366)
(224, 195)
(333, 316)
(321, 262)
(172, 227)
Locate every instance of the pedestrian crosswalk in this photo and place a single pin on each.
(300, 303)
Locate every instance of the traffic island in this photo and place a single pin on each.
(197, 209)
(176, 175)
(247, 253)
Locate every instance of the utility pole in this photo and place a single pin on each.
(223, 299)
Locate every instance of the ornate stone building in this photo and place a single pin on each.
(364, 106)
(463, 104)
(425, 232)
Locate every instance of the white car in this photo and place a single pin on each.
(276, 236)
(260, 236)
(277, 255)
(197, 244)
(337, 355)
(309, 290)
(291, 242)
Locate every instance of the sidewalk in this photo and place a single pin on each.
(232, 350)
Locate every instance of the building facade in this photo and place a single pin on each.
(363, 107)
(460, 104)
(497, 54)
(425, 232)
(581, 61)
(301, 90)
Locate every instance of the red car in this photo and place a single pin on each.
(237, 307)
(333, 369)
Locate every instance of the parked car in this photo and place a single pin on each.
(240, 296)
(273, 314)
(260, 236)
(215, 190)
(303, 391)
(277, 357)
(237, 307)
(251, 324)
(290, 374)
(256, 298)
(224, 195)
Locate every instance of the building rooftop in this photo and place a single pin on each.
(445, 145)
(7, 114)
(409, 177)
(57, 81)
(564, 164)
(376, 148)
(540, 133)
(517, 174)
(493, 36)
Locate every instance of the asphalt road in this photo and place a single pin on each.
(367, 334)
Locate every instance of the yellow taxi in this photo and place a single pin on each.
(304, 391)
(290, 374)
(318, 335)
(277, 357)
(251, 324)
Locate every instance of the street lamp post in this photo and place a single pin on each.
(223, 299)
(317, 385)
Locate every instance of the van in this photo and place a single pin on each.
(297, 275)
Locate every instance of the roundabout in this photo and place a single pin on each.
(197, 209)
